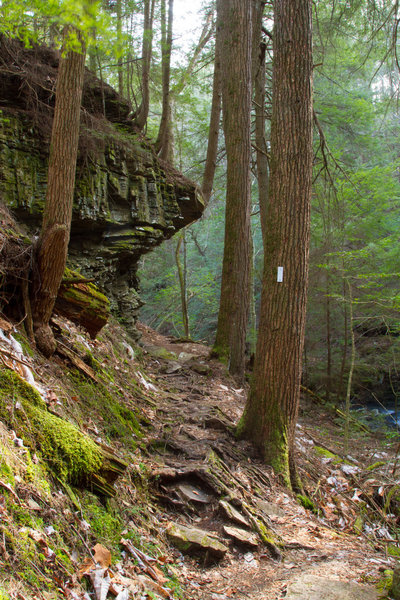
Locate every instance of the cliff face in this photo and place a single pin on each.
(126, 200)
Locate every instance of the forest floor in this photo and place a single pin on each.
(325, 552)
(246, 537)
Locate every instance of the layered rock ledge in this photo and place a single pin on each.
(126, 202)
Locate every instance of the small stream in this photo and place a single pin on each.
(380, 413)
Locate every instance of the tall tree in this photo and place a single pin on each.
(147, 43)
(259, 84)
(235, 20)
(271, 409)
(52, 247)
(165, 142)
(119, 41)
(215, 117)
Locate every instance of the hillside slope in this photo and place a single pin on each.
(120, 477)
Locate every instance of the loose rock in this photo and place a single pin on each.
(233, 514)
(191, 539)
(242, 536)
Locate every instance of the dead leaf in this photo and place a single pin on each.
(85, 567)
(101, 582)
(123, 595)
(101, 555)
(152, 586)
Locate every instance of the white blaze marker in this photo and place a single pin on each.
(279, 276)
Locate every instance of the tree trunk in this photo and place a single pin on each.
(345, 345)
(235, 31)
(54, 237)
(252, 337)
(328, 339)
(164, 143)
(182, 276)
(147, 43)
(119, 41)
(271, 409)
(259, 82)
(351, 369)
(213, 132)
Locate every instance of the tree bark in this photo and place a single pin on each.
(271, 409)
(259, 83)
(119, 41)
(215, 117)
(147, 43)
(235, 31)
(52, 245)
(164, 143)
(182, 282)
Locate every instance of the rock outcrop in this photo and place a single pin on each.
(126, 200)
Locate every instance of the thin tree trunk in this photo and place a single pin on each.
(119, 40)
(345, 345)
(147, 44)
(271, 409)
(328, 339)
(351, 370)
(182, 282)
(253, 316)
(54, 237)
(235, 46)
(259, 79)
(213, 132)
(164, 143)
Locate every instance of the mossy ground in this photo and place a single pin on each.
(69, 453)
(58, 452)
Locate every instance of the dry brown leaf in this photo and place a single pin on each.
(85, 567)
(101, 555)
(159, 574)
(152, 586)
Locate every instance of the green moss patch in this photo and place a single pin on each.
(327, 454)
(306, 502)
(72, 455)
(119, 420)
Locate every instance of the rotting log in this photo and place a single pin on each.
(83, 304)
(113, 465)
(101, 483)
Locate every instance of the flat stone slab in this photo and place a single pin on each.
(233, 514)
(312, 587)
(199, 367)
(191, 539)
(160, 352)
(242, 536)
(193, 494)
(185, 357)
(269, 509)
(172, 367)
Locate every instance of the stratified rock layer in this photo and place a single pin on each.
(126, 200)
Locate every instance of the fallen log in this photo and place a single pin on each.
(82, 303)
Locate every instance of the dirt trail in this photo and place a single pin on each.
(196, 461)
